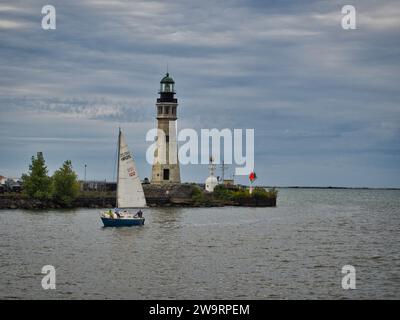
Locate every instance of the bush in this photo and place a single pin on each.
(37, 184)
(222, 193)
(201, 197)
(241, 194)
(65, 184)
(197, 195)
(261, 193)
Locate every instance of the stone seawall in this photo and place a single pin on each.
(255, 202)
(19, 202)
(173, 195)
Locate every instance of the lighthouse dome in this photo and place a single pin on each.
(167, 79)
(211, 183)
(167, 85)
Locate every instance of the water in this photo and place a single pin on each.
(296, 250)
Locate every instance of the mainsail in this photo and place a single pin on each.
(129, 188)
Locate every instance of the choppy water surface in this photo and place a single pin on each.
(296, 250)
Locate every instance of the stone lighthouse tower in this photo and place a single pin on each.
(166, 170)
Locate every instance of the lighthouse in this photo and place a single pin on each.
(167, 170)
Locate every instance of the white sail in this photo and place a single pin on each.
(129, 189)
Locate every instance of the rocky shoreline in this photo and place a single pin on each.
(156, 196)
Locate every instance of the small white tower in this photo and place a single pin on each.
(211, 181)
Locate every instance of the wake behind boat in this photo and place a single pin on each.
(130, 194)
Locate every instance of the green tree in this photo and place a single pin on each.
(37, 184)
(65, 184)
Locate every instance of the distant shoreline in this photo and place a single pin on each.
(312, 187)
(343, 188)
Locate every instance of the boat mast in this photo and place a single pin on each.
(119, 157)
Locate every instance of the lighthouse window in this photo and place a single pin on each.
(159, 110)
(167, 139)
(167, 109)
(174, 110)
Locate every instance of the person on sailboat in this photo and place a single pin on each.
(117, 212)
(139, 214)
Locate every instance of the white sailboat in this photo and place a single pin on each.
(129, 191)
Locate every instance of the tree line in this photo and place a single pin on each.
(62, 186)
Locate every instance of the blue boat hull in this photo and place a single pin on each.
(110, 222)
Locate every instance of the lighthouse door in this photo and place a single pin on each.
(166, 174)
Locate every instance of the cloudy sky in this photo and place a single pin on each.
(324, 102)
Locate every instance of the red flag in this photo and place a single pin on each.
(252, 176)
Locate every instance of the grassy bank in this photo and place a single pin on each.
(235, 196)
